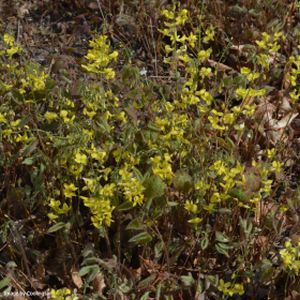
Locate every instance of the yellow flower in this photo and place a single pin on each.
(229, 118)
(245, 71)
(229, 289)
(205, 72)
(168, 49)
(13, 50)
(62, 294)
(204, 54)
(195, 221)
(215, 197)
(64, 115)
(15, 123)
(206, 96)
(191, 207)
(22, 137)
(90, 184)
(69, 190)
(209, 34)
(290, 256)
(109, 73)
(202, 186)
(101, 210)
(97, 154)
(271, 153)
(182, 17)
(80, 158)
(2, 118)
(52, 216)
(168, 14)
(88, 113)
(276, 166)
(8, 39)
(108, 190)
(99, 57)
(192, 39)
(122, 117)
(50, 116)
(55, 205)
(132, 188)
(162, 167)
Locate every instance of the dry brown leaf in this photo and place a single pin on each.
(285, 106)
(285, 121)
(23, 10)
(264, 112)
(76, 279)
(262, 242)
(99, 284)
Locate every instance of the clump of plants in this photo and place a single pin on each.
(167, 178)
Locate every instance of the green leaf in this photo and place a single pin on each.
(154, 187)
(145, 296)
(158, 292)
(135, 224)
(187, 280)
(172, 203)
(88, 270)
(56, 227)
(93, 273)
(28, 161)
(30, 148)
(221, 250)
(238, 194)
(125, 206)
(204, 243)
(4, 282)
(141, 238)
(183, 182)
(158, 249)
(220, 237)
(138, 174)
(225, 246)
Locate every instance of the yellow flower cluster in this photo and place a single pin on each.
(230, 289)
(293, 66)
(179, 42)
(34, 79)
(26, 78)
(62, 294)
(101, 210)
(69, 190)
(11, 46)
(131, 186)
(251, 76)
(223, 120)
(161, 166)
(268, 46)
(99, 56)
(57, 209)
(100, 204)
(270, 43)
(231, 177)
(246, 93)
(172, 130)
(290, 256)
(193, 209)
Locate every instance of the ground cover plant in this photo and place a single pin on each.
(155, 154)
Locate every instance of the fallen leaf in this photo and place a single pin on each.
(99, 284)
(76, 279)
